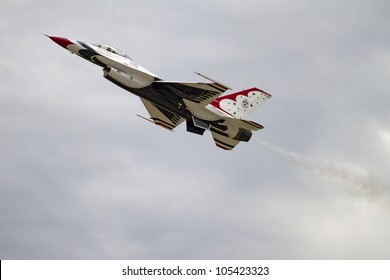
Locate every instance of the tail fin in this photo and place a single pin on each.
(241, 104)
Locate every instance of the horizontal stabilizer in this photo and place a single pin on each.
(251, 125)
(241, 104)
(201, 112)
(223, 142)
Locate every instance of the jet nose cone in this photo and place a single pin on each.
(63, 42)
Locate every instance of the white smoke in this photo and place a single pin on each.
(370, 185)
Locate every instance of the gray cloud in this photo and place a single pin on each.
(81, 177)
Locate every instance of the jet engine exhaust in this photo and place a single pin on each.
(370, 185)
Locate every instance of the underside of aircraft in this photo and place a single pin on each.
(169, 103)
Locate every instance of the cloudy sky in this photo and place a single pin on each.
(81, 177)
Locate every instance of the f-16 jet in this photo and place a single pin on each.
(170, 103)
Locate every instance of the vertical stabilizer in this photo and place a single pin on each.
(241, 104)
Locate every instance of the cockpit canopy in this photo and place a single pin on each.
(112, 50)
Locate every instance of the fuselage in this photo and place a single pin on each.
(123, 71)
(170, 103)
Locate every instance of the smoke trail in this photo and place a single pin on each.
(371, 186)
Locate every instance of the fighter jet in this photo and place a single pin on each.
(170, 103)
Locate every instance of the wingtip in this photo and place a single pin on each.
(225, 87)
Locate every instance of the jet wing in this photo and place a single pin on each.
(162, 117)
(202, 93)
